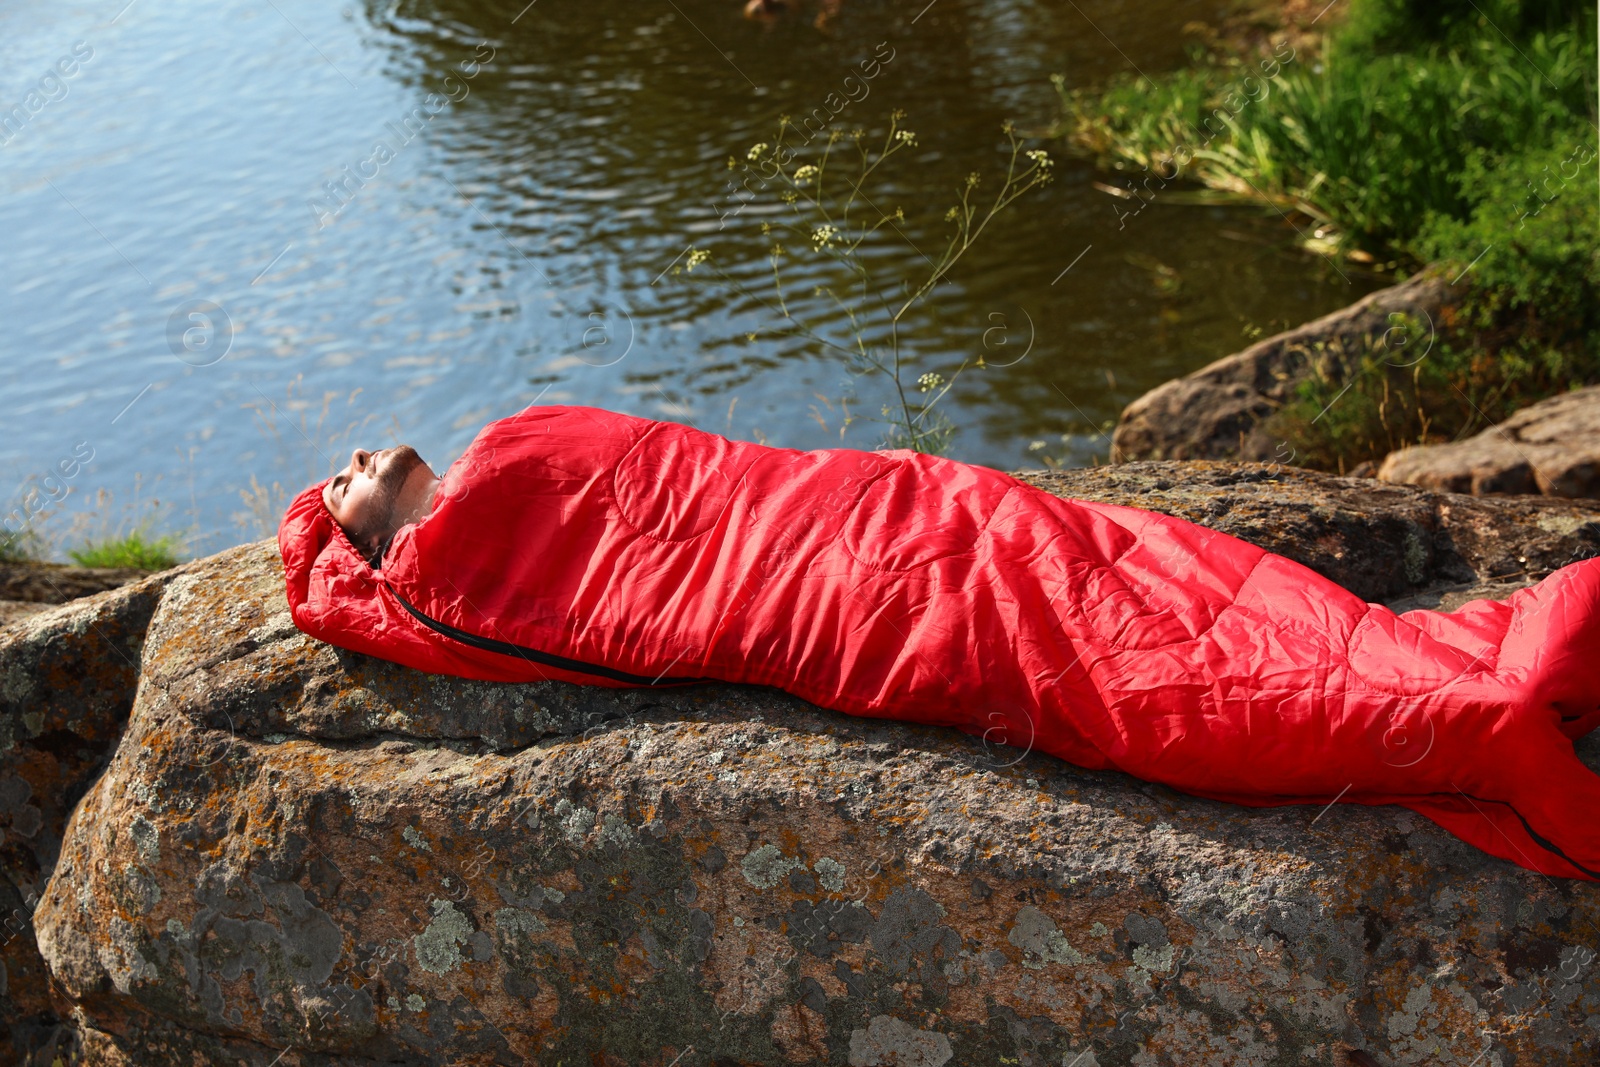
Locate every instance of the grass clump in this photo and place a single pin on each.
(22, 546)
(138, 549)
(1372, 137)
(1456, 134)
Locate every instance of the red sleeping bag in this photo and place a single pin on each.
(579, 544)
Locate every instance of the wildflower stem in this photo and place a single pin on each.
(826, 225)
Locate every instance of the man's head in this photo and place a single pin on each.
(378, 493)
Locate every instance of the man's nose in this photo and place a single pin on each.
(359, 460)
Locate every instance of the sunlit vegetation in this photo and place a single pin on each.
(1425, 132)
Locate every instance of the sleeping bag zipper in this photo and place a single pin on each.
(549, 659)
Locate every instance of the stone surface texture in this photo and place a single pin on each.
(67, 681)
(1218, 411)
(304, 856)
(1552, 447)
(12, 610)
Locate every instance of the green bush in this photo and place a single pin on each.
(1529, 329)
(1376, 146)
(1457, 133)
(137, 549)
(1378, 26)
(1360, 406)
(1531, 232)
(1369, 146)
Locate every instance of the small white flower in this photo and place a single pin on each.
(755, 151)
(931, 380)
(905, 137)
(697, 256)
(1042, 158)
(804, 175)
(1035, 446)
(823, 235)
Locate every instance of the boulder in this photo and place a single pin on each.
(29, 587)
(1217, 412)
(35, 582)
(67, 680)
(12, 610)
(1552, 447)
(300, 855)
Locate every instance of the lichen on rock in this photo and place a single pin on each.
(1041, 940)
(890, 1041)
(766, 866)
(437, 946)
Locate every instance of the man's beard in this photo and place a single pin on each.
(382, 521)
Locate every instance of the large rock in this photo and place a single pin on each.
(1217, 412)
(67, 680)
(1552, 447)
(56, 583)
(304, 856)
(27, 588)
(13, 610)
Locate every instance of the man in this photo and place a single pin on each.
(379, 492)
(586, 546)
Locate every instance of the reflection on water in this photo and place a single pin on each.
(243, 237)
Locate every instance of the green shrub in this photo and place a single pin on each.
(137, 549)
(1423, 137)
(1357, 407)
(1370, 146)
(1531, 232)
(1374, 147)
(1529, 329)
(1378, 26)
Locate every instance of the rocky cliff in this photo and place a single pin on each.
(298, 855)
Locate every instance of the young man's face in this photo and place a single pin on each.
(379, 492)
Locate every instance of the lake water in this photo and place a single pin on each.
(185, 299)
